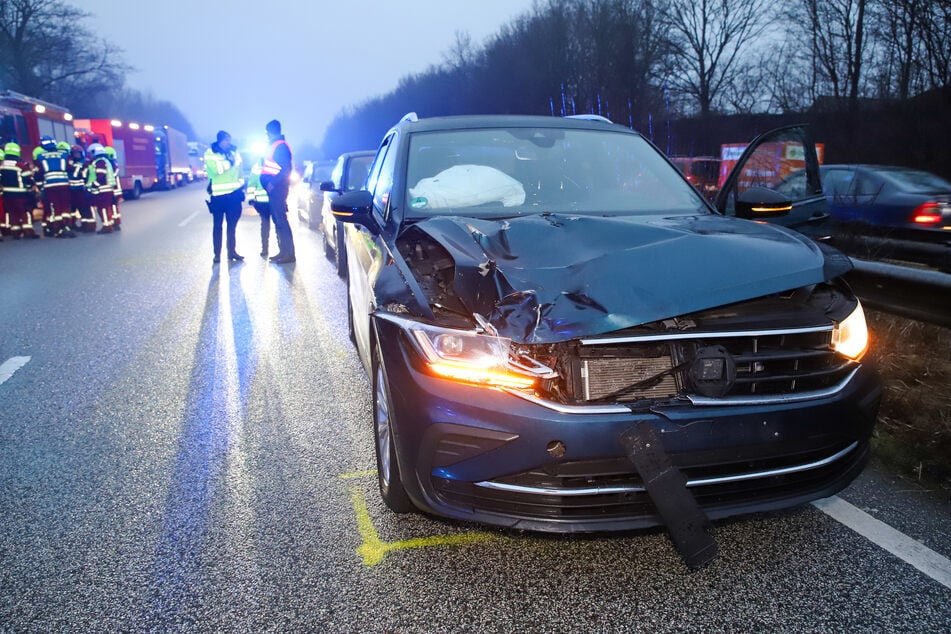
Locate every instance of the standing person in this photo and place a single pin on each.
(275, 177)
(78, 196)
(117, 189)
(51, 173)
(100, 181)
(259, 200)
(70, 217)
(16, 177)
(46, 221)
(223, 164)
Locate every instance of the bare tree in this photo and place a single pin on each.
(45, 52)
(935, 28)
(709, 38)
(837, 31)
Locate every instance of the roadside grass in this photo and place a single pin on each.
(913, 434)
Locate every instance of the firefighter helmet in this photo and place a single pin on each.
(48, 142)
(110, 151)
(96, 149)
(39, 149)
(63, 145)
(12, 149)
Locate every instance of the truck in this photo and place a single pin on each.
(25, 120)
(171, 156)
(196, 159)
(135, 150)
(771, 163)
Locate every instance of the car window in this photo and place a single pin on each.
(837, 182)
(337, 175)
(384, 180)
(357, 171)
(793, 185)
(868, 185)
(510, 171)
(916, 180)
(378, 163)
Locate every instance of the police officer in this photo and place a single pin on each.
(226, 187)
(52, 175)
(100, 183)
(259, 200)
(275, 177)
(16, 177)
(78, 196)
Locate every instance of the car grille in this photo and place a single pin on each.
(611, 489)
(766, 363)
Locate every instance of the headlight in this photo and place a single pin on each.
(468, 356)
(850, 336)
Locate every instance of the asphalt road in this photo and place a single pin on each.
(187, 449)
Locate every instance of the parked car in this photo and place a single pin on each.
(349, 173)
(305, 196)
(887, 212)
(536, 298)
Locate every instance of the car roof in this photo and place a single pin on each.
(469, 122)
(357, 153)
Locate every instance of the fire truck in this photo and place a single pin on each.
(135, 150)
(25, 120)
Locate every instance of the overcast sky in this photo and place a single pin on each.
(235, 65)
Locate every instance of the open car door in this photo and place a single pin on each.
(785, 161)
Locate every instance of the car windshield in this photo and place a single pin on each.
(359, 167)
(519, 171)
(916, 181)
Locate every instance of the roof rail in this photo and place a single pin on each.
(589, 117)
(409, 116)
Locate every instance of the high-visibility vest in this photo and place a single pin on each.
(101, 177)
(53, 163)
(77, 174)
(224, 175)
(256, 192)
(272, 167)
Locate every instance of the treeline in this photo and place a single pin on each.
(647, 62)
(47, 52)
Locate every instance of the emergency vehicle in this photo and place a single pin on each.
(25, 120)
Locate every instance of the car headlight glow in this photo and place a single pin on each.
(850, 336)
(468, 356)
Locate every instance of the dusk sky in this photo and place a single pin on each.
(236, 65)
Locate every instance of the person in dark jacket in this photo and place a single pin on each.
(276, 179)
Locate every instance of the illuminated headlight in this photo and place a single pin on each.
(850, 336)
(467, 356)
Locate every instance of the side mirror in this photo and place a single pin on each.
(759, 203)
(328, 186)
(355, 207)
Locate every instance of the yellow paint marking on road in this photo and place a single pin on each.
(372, 550)
(353, 475)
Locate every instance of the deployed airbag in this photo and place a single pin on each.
(467, 186)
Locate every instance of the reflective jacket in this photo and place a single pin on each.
(224, 170)
(100, 177)
(278, 163)
(256, 191)
(16, 177)
(77, 173)
(51, 168)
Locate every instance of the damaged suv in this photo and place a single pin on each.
(554, 321)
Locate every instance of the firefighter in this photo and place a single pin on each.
(117, 190)
(69, 218)
(17, 180)
(259, 200)
(100, 183)
(226, 187)
(275, 177)
(53, 178)
(78, 196)
(47, 220)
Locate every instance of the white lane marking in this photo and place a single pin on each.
(189, 219)
(881, 534)
(10, 366)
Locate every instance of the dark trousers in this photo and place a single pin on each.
(79, 204)
(264, 209)
(226, 206)
(278, 202)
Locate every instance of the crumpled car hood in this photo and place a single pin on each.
(553, 277)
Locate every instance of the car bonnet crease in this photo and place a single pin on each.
(546, 278)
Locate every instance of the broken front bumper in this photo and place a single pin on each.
(483, 455)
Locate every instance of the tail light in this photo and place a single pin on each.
(927, 214)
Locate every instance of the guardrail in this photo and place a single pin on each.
(916, 293)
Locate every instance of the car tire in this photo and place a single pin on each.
(136, 191)
(341, 255)
(387, 466)
(328, 250)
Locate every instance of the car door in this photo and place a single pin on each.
(783, 159)
(364, 251)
